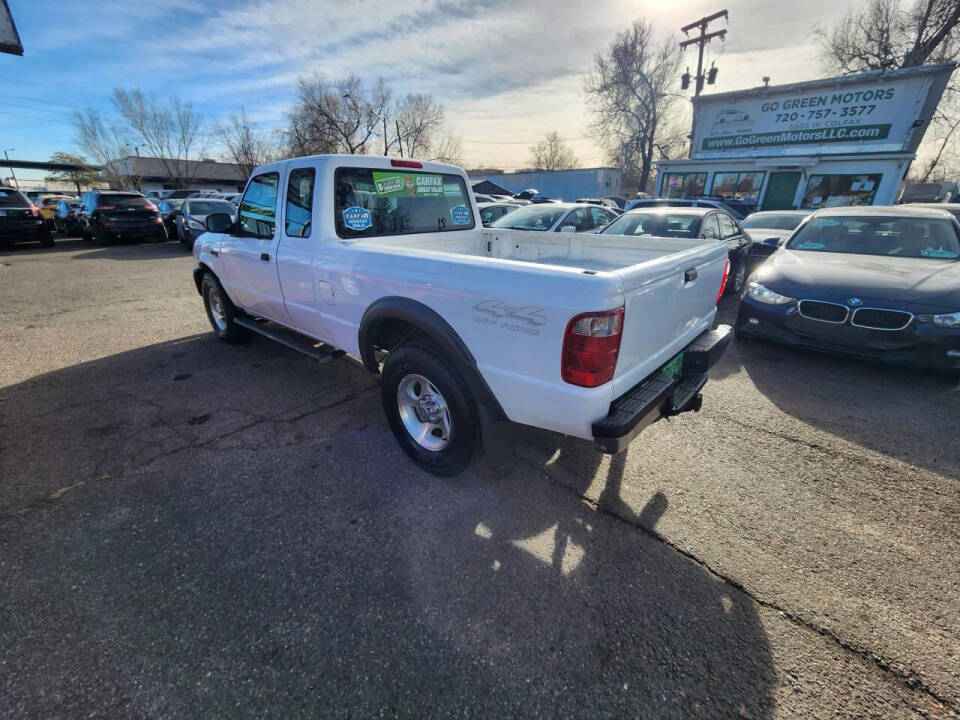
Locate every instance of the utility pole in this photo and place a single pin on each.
(399, 138)
(385, 146)
(701, 41)
(12, 173)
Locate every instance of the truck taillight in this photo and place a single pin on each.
(35, 210)
(591, 346)
(406, 163)
(723, 283)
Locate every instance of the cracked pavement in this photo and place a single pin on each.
(189, 529)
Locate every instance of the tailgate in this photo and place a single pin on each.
(667, 304)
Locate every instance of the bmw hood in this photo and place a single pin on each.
(838, 277)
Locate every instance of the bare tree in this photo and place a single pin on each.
(552, 153)
(419, 119)
(887, 33)
(891, 34)
(171, 134)
(105, 145)
(341, 116)
(631, 91)
(244, 146)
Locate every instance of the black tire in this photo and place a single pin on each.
(227, 329)
(46, 237)
(161, 235)
(737, 279)
(101, 237)
(462, 448)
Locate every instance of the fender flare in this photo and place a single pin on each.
(431, 324)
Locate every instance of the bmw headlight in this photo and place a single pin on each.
(951, 320)
(194, 225)
(763, 294)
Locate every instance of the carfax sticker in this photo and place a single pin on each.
(357, 218)
(389, 184)
(460, 214)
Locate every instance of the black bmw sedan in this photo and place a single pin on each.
(879, 282)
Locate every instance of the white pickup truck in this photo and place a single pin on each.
(593, 336)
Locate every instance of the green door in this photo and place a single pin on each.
(781, 190)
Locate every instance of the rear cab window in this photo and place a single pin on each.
(370, 203)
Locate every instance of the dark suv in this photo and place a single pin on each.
(20, 219)
(110, 215)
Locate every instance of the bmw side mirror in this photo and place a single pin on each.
(219, 223)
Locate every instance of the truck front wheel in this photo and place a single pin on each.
(430, 409)
(221, 312)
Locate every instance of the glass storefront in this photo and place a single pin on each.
(840, 190)
(743, 187)
(676, 185)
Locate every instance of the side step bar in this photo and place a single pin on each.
(295, 341)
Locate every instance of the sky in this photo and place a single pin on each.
(507, 71)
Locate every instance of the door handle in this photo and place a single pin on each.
(265, 257)
(690, 275)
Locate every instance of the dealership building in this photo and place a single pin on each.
(839, 141)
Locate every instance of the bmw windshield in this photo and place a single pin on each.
(909, 237)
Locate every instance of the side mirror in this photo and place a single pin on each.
(219, 223)
(569, 228)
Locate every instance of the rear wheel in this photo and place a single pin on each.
(101, 237)
(430, 409)
(46, 237)
(221, 312)
(161, 235)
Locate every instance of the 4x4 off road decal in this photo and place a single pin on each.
(525, 319)
(389, 184)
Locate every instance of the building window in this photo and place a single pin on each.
(840, 190)
(742, 187)
(677, 185)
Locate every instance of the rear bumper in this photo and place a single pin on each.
(661, 395)
(22, 231)
(918, 345)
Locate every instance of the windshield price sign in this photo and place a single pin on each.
(390, 184)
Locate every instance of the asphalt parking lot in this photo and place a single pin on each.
(189, 529)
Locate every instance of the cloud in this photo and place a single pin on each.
(505, 69)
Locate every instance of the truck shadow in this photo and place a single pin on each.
(279, 555)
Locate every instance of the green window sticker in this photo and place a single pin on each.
(937, 253)
(389, 184)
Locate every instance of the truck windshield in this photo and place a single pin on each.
(371, 202)
(911, 237)
(660, 224)
(532, 217)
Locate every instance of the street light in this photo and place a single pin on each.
(12, 173)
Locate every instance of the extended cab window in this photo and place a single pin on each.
(258, 209)
(299, 210)
(371, 202)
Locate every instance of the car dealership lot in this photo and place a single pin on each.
(191, 529)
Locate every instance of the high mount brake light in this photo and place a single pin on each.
(406, 163)
(591, 346)
(723, 283)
